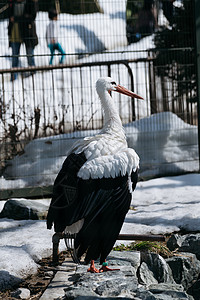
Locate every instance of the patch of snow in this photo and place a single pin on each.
(162, 205)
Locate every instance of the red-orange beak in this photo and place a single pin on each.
(123, 90)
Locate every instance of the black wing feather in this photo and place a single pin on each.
(103, 203)
(103, 224)
(65, 191)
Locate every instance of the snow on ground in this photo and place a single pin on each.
(165, 205)
(164, 142)
(161, 205)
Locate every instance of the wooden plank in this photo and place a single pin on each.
(29, 192)
(141, 237)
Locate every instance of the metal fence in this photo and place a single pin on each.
(57, 103)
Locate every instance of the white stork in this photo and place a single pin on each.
(92, 192)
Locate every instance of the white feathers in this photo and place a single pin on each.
(75, 227)
(100, 145)
(107, 153)
(108, 166)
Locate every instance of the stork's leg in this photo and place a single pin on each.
(105, 268)
(92, 268)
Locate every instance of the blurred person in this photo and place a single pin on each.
(146, 22)
(168, 9)
(22, 29)
(52, 36)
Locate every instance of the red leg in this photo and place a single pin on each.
(105, 268)
(92, 268)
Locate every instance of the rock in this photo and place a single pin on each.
(122, 258)
(186, 243)
(49, 274)
(107, 284)
(175, 242)
(8, 281)
(24, 210)
(74, 293)
(144, 294)
(21, 293)
(146, 275)
(185, 269)
(194, 290)
(156, 267)
(122, 284)
(102, 298)
(191, 243)
(130, 256)
(168, 291)
(163, 291)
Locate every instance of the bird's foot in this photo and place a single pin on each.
(92, 268)
(105, 268)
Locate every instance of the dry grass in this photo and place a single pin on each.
(156, 247)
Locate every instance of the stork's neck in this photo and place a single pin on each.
(112, 120)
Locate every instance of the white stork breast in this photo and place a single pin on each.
(112, 165)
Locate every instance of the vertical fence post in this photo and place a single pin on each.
(197, 24)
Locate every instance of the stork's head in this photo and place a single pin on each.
(108, 84)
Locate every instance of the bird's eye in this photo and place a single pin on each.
(113, 82)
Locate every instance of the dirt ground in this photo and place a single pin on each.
(38, 282)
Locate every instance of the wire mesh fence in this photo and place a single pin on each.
(147, 46)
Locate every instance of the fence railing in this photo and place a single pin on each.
(52, 100)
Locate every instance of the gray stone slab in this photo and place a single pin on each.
(62, 279)
(73, 282)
